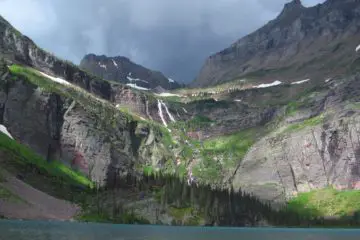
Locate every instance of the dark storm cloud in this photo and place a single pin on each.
(173, 36)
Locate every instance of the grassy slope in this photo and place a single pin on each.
(53, 177)
(6, 194)
(27, 157)
(327, 202)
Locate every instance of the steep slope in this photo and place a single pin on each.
(316, 42)
(31, 203)
(17, 48)
(63, 122)
(315, 146)
(122, 70)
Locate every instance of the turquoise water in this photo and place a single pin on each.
(35, 230)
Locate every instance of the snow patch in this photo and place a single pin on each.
(133, 85)
(102, 65)
(170, 80)
(55, 79)
(266, 85)
(357, 48)
(300, 82)
(4, 130)
(237, 100)
(135, 79)
(115, 64)
(167, 95)
(328, 80)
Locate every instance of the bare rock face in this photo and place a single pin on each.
(122, 70)
(303, 161)
(290, 161)
(300, 42)
(58, 128)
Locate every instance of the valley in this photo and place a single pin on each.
(247, 145)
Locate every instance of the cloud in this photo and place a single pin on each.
(172, 36)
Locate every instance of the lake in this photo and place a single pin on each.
(37, 230)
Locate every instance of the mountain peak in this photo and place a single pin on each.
(291, 10)
(294, 5)
(122, 69)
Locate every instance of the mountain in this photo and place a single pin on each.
(301, 43)
(66, 110)
(122, 70)
(242, 153)
(69, 129)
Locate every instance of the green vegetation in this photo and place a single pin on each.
(353, 105)
(327, 202)
(8, 196)
(221, 154)
(102, 109)
(148, 170)
(2, 178)
(266, 72)
(54, 168)
(53, 177)
(193, 221)
(198, 122)
(172, 99)
(180, 213)
(292, 108)
(127, 217)
(236, 144)
(307, 123)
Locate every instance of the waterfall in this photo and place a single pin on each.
(161, 113)
(185, 110)
(167, 111)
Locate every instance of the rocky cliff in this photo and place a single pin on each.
(93, 118)
(303, 155)
(58, 123)
(17, 48)
(122, 70)
(300, 43)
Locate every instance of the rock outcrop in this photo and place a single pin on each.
(58, 127)
(122, 70)
(310, 154)
(300, 43)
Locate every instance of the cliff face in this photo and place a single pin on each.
(300, 43)
(60, 127)
(310, 154)
(122, 70)
(17, 48)
(59, 123)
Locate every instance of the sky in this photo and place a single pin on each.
(172, 36)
